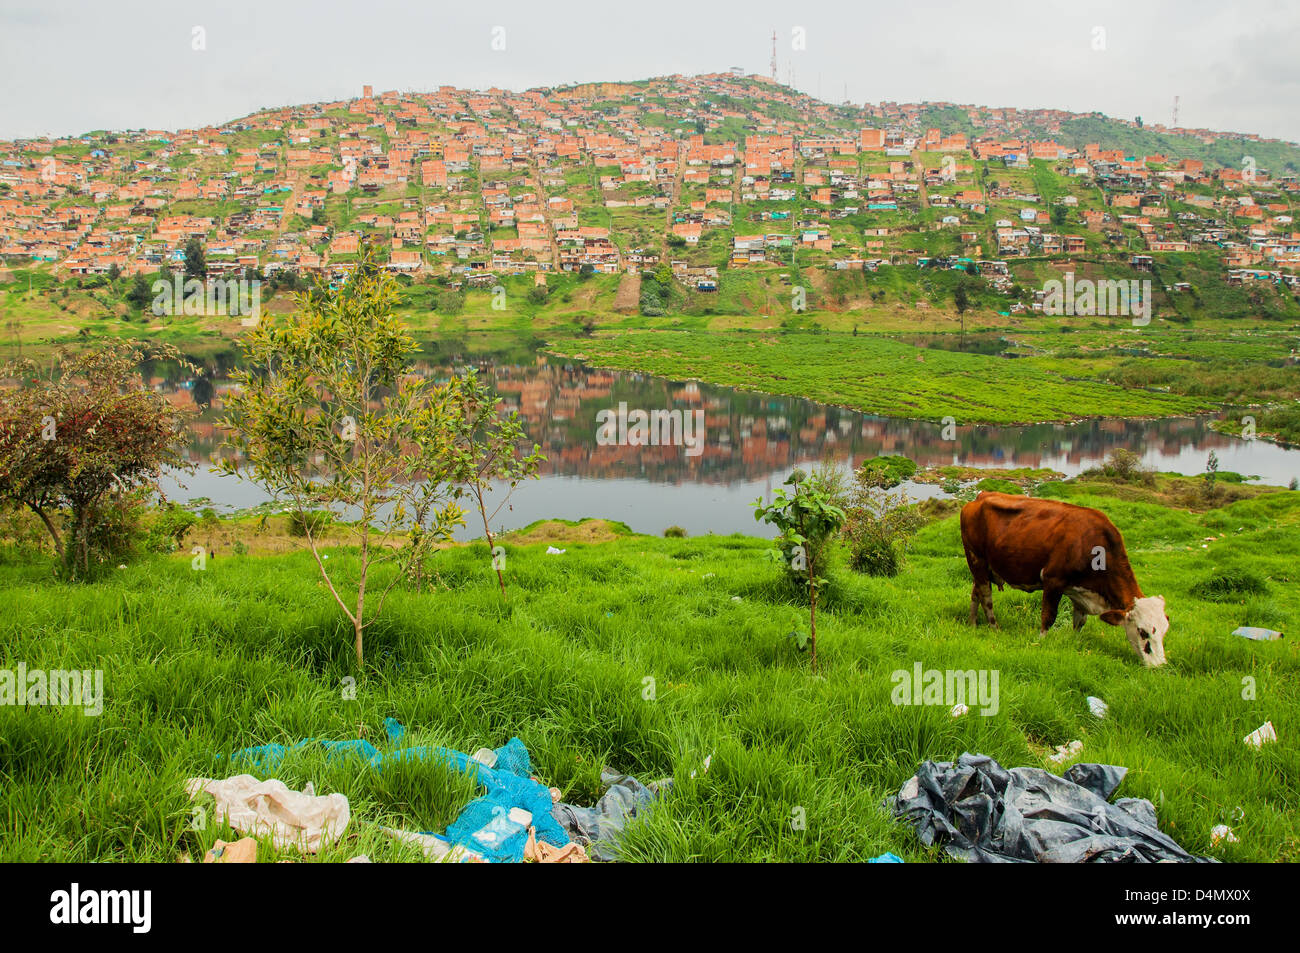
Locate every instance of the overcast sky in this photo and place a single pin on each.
(68, 67)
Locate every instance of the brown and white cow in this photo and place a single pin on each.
(1063, 550)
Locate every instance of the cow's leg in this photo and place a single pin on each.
(981, 597)
(981, 590)
(1051, 603)
(987, 594)
(1080, 616)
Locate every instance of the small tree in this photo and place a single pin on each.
(140, 294)
(488, 449)
(326, 415)
(89, 438)
(962, 300)
(806, 519)
(196, 262)
(1211, 474)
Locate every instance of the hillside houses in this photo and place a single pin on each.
(452, 185)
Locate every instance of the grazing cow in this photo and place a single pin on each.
(1064, 550)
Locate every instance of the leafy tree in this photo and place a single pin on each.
(196, 263)
(327, 416)
(961, 299)
(806, 518)
(488, 449)
(140, 294)
(85, 438)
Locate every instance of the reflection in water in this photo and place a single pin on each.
(751, 443)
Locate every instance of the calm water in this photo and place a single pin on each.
(751, 442)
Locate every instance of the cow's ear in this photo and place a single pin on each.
(1113, 616)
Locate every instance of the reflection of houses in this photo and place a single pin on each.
(748, 437)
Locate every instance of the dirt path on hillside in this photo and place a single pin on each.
(628, 299)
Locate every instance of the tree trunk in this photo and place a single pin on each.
(812, 617)
(482, 511)
(49, 525)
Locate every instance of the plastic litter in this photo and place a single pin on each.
(436, 847)
(1097, 706)
(242, 851)
(984, 813)
(707, 761)
(959, 710)
(1065, 752)
(504, 825)
(887, 858)
(1261, 735)
(293, 818)
(552, 551)
(598, 828)
(1222, 834)
(507, 785)
(1256, 633)
(543, 853)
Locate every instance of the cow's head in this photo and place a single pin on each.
(1145, 625)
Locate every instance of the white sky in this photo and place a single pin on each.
(67, 67)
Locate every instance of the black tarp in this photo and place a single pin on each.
(981, 812)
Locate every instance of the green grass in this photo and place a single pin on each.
(879, 375)
(250, 651)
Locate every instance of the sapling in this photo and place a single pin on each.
(806, 518)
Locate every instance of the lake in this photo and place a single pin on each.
(750, 442)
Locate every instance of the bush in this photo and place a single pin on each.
(449, 302)
(315, 520)
(675, 532)
(879, 525)
(1126, 466)
(888, 471)
(168, 529)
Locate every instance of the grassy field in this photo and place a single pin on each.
(249, 651)
(879, 375)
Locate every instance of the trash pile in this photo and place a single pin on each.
(517, 818)
(984, 813)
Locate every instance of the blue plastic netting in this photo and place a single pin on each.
(508, 785)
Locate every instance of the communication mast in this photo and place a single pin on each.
(1175, 124)
(773, 56)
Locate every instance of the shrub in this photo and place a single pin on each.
(1126, 466)
(675, 532)
(168, 529)
(300, 521)
(82, 440)
(878, 526)
(887, 472)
